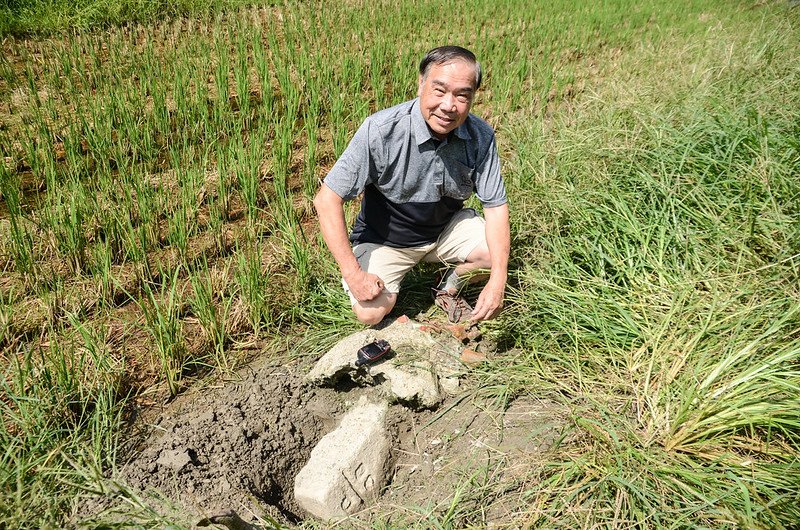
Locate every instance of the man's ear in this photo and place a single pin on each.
(419, 85)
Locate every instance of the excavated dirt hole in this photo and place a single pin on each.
(236, 447)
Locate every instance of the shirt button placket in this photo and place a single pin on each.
(439, 173)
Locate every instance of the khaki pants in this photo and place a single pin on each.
(465, 232)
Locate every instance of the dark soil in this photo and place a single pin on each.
(239, 445)
(236, 447)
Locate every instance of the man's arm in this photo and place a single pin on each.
(330, 209)
(498, 239)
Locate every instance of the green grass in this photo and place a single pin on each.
(657, 294)
(37, 17)
(157, 174)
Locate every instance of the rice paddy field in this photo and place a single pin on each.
(156, 230)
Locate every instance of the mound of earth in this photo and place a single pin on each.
(240, 445)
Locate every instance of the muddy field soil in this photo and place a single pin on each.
(239, 444)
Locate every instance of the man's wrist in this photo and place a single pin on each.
(350, 272)
(498, 279)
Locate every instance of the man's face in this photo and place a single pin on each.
(445, 96)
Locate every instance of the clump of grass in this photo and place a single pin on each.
(60, 408)
(696, 425)
(161, 310)
(659, 304)
(213, 314)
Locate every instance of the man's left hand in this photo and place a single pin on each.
(489, 303)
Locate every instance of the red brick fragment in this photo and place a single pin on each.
(471, 357)
(457, 330)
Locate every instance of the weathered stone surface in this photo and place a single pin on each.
(420, 361)
(340, 360)
(449, 385)
(347, 467)
(414, 383)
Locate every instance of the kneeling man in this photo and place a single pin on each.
(415, 164)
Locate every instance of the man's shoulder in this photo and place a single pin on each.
(392, 115)
(478, 128)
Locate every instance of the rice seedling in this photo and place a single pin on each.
(222, 205)
(294, 240)
(338, 124)
(242, 79)
(311, 125)
(248, 170)
(21, 239)
(183, 223)
(212, 315)
(67, 218)
(281, 159)
(253, 282)
(161, 310)
(102, 261)
(221, 73)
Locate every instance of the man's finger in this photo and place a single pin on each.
(485, 309)
(479, 313)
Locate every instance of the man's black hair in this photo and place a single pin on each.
(446, 54)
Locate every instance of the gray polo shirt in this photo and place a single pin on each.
(412, 183)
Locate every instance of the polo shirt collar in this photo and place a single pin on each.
(422, 132)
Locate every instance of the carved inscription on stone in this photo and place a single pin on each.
(351, 500)
(344, 471)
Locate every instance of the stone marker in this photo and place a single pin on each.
(347, 467)
(422, 367)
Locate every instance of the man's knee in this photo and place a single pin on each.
(480, 257)
(370, 315)
(372, 312)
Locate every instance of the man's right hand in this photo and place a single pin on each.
(364, 285)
